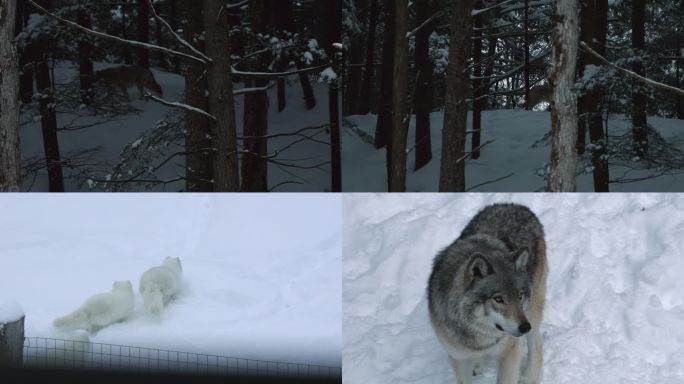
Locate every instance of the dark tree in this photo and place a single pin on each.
(452, 168)
(85, 62)
(478, 85)
(143, 32)
(10, 154)
(382, 129)
(48, 115)
(593, 29)
(400, 118)
(639, 124)
(199, 168)
(254, 167)
(369, 65)
(423, 94)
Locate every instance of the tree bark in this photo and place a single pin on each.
(382, 128)
(354, 57)
(85, 62)
(452, 168)
(10, 154)
(639, 123)
(254, 165)
(199, 168)
(477, 86)
(143, 32)
(369, 66)
(226, 176)
(25, 58)
(335, 35)
(562, 173)
(423, 94)
(593, 29)
(400, 118)
(48, 124)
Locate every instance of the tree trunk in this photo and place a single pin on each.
(128, 58)
(489, 70)
(48, 124)
(85, 62)
(452, 168)
(527, 56)
(199, 168)
(423, 94)
(143, 32)
(562, 174)
(10, 154)
(369, 66)
(477, 86)
(400, 117)
(25, 58)
(593, 29)
(354, 58)
(382, 128)
(335, 35)
(226, 176)
(254, 166)
(639, 124)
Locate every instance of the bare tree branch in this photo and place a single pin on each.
(180, 39)
(134, 43)
(179, 105)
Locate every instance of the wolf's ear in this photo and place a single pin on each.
(522, 258)
(479, 267)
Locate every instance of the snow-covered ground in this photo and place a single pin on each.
(261, 275)
(111, 137)
(614, 304)
(516, 155)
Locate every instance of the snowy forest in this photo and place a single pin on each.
(231, 95)
(515, 95)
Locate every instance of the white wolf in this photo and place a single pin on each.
(158, 285)
(101, 310)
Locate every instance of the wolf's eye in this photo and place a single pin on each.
(498, 299)
(522, 295)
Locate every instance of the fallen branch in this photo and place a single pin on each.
(631, 74)
(489, 182)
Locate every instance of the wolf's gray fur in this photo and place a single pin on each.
(487, 289)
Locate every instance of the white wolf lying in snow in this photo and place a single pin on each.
(158, 285)
(101, 310)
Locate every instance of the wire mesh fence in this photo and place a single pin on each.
(57, 353)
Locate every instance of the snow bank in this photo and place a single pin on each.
(261, 274)
(614, 309)
(10, 311)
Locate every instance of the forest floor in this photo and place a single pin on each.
(614, 306)
(128, 124)
(277, 300)
(518, 155)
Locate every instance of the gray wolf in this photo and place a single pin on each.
(486, 294)
(101, 310)
(125, 76)
(158, 285)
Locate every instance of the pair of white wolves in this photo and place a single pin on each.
(486, 291)
(158, 285)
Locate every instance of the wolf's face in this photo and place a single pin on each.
(173, 263)
(497, 292)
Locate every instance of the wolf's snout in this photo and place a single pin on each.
(524, 327)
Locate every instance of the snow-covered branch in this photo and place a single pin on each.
(134, 43)
(179, 105)
(631, 74)
(278, 74)
(176, 35)
(243, 91)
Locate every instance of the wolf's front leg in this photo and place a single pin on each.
(509, 364)
(532, 372)
(463, 369)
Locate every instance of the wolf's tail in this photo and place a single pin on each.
(154, 301)
(73, 321)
